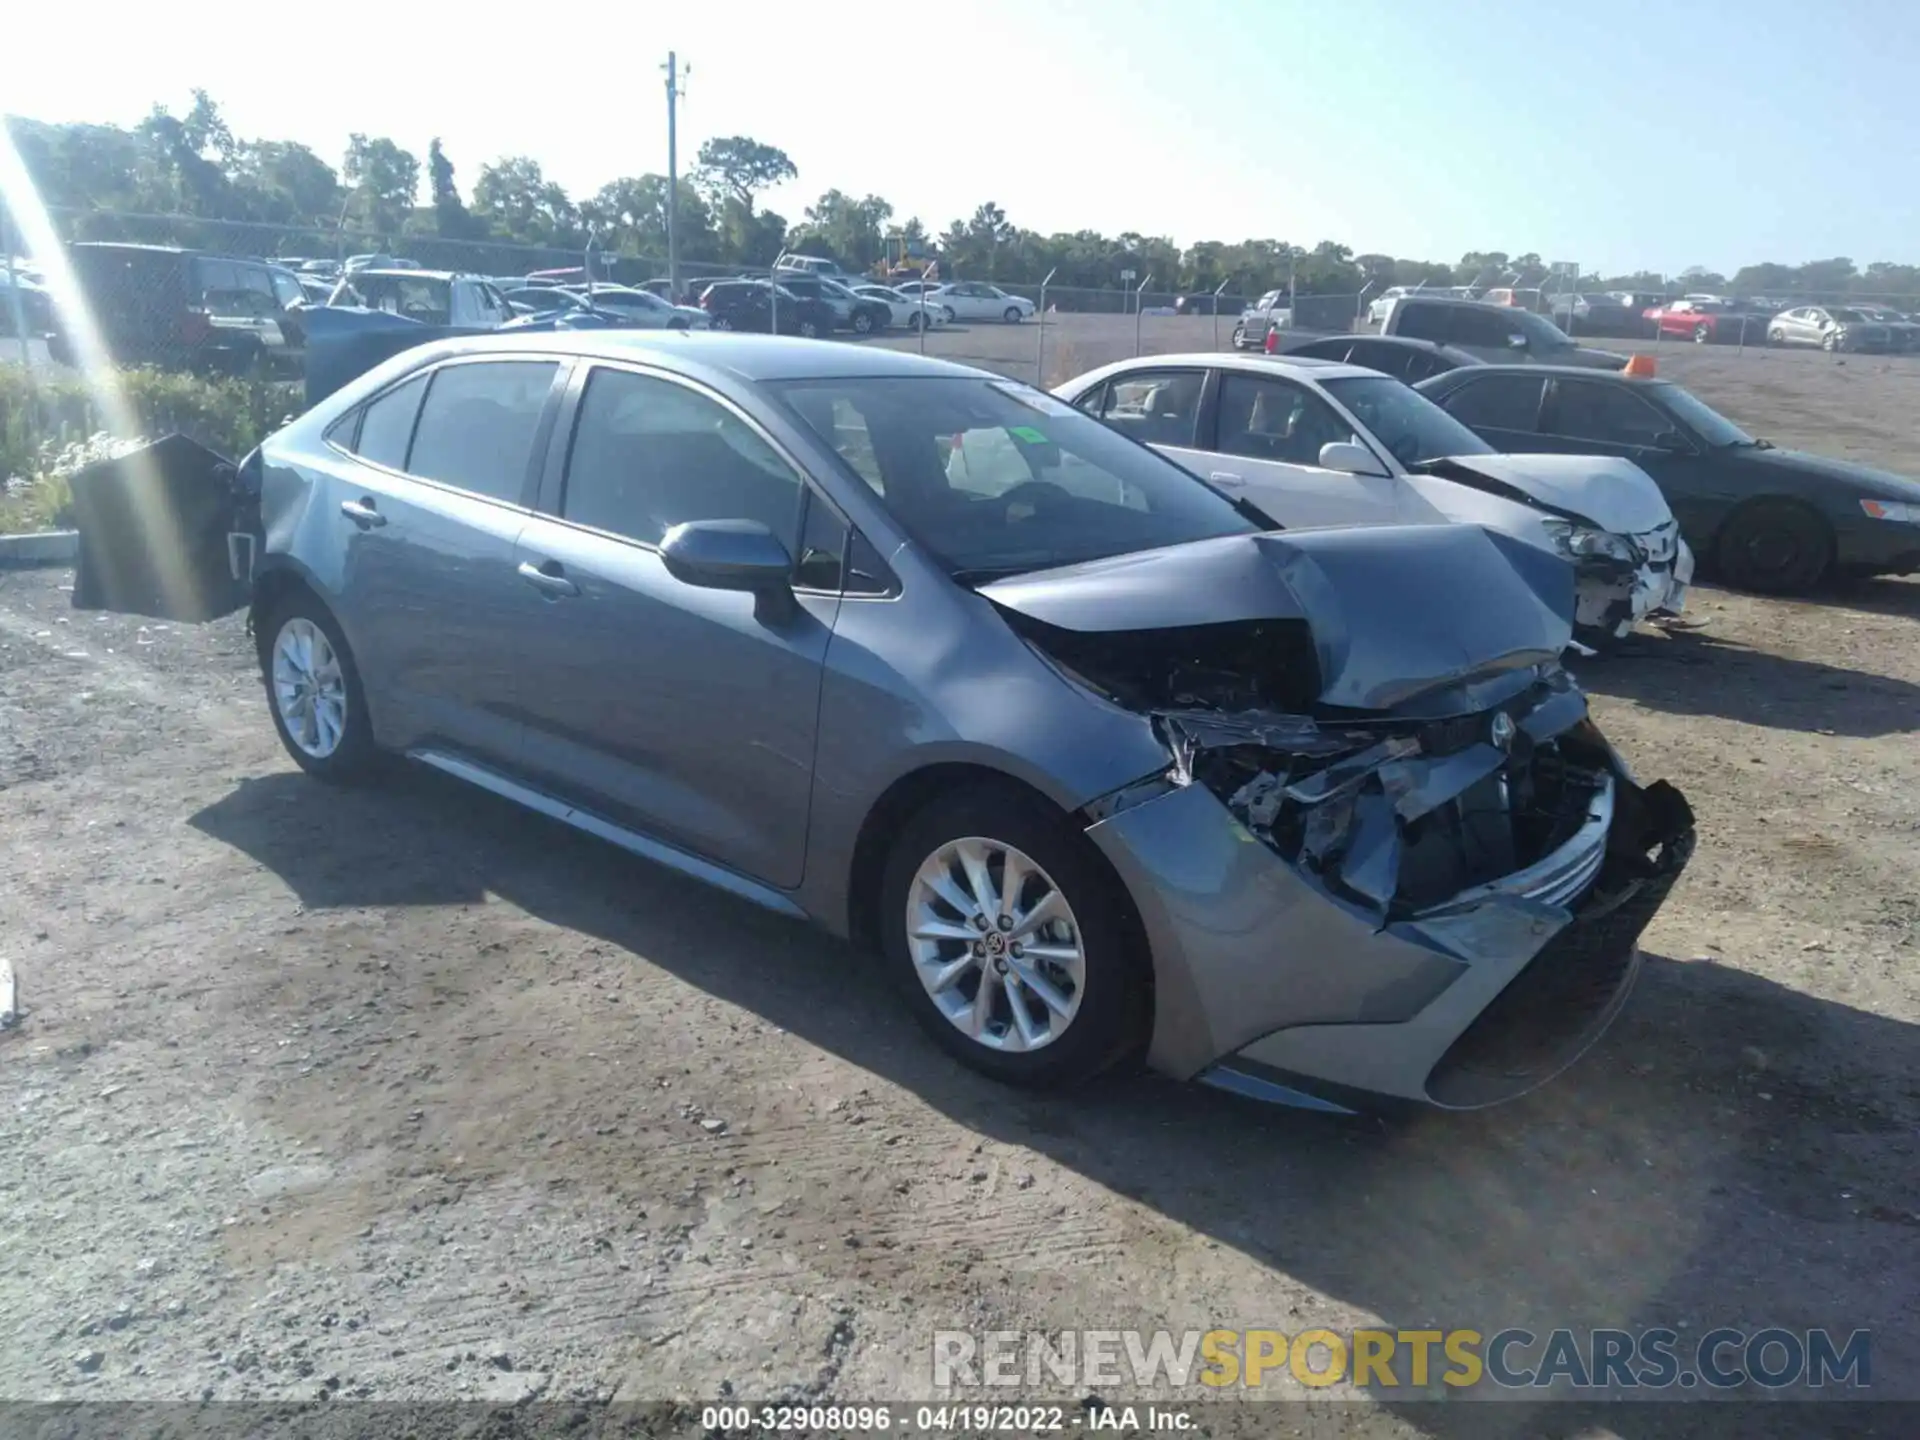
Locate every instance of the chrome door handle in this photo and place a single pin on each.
(547, 582)
(362, 513)
(1226, 478)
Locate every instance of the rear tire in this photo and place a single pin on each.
(1774, 547)
(809, 329)
(1109, 1000)
(914, 321)
(314, 691)
(947, 310)
(862, 323)
(1776, 337)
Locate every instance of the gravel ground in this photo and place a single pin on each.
(405, 1094)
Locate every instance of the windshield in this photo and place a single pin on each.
(1412, 427)
(994, 478)
(1709, 424)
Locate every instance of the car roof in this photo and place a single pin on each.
(744, 357)
(413, 274)
(133, 245)
(1309, 367)
(1574, 372)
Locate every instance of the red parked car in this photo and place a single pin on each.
(1708, 322)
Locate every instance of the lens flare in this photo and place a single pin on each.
(158, 523)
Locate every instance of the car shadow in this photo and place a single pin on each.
(1734, 1152)
(1877, 595)
(1694, 673)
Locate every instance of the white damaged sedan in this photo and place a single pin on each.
(1315, 443)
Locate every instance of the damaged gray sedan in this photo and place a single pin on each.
(1101, 769)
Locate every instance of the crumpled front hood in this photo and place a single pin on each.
(1612, 493)
(1870, 482)
(1392, 611)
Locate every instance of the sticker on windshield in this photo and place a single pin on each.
(1031, 398)
(1028, 434)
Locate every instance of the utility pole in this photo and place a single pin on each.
(674, 73)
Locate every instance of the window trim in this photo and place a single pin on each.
(542, 435)
(551, 492)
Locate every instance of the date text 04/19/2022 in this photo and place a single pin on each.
(945, 1419)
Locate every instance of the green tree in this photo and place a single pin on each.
(851, 231)
(285, 182)
(516, 200)
(384, 180)
(630, 214)
(451, 218)
(738, 168)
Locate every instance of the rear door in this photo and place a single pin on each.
(1266, 436)
(428, 505)
(684, 712)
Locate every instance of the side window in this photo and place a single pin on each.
(478, 424)
(823, 547)
(1497, 402)
(1486, 328)
(220, 290)
(1276, 420)
(286, 290)
(1421, 320)
(1093, 400)
(387, 424)
(1611, 414)
(1155, 407)
(649, 454)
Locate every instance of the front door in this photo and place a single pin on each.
(1267, 437)
(685, 712)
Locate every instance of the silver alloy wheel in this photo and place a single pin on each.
(996, 945)
(309, 689)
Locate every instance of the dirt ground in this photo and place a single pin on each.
(406, 1094)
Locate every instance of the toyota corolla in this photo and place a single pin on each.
(1104, 767)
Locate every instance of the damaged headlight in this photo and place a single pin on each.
(1584, 542)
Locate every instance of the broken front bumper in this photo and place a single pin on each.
(1612, 596)
(1272, 981)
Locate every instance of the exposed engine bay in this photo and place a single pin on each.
(1498, 784)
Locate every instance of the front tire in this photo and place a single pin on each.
(1014, 315)
(1702, 334)
(809, 329)
(1830, 343)
(862, 323)
(314, 691)
(915, 321)
(1777, 337)
(1774, 547)
(1014, 944)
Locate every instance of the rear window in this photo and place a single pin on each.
(387, 425)
(477, 427)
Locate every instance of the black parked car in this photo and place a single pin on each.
(850, 311)
(182, 309)
(749, 305)
(1595, 314)
(1408, 360)
(1766, 519)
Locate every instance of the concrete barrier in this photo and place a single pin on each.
(43, 547)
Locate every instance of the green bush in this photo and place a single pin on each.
(51, 427)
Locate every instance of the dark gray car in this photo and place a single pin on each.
(1102, 766)
(1500, 334)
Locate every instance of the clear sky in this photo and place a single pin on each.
(1655, 133)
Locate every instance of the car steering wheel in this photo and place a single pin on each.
(1041, 494)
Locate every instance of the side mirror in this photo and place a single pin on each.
(1349, 459)
(731, 555)
(1673, 442)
